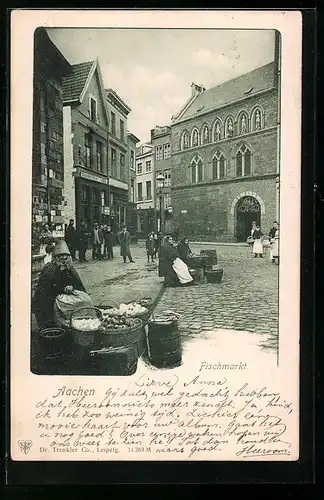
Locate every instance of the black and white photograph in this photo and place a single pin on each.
(155, 209)
(156, 289)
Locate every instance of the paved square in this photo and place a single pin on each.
(246, 299)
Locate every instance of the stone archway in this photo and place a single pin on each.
(232, 219)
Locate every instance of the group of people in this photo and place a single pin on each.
(173, 260)
(257, 237)
(102, 240)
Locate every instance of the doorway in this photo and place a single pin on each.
(247, 210)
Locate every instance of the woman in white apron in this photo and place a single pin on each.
(257, 245)
(275, 251)
(272, 234)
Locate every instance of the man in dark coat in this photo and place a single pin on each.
(56, 277)
(71, 238)
(97, 240)
(110, 240)
(83, 235)
(167, 255)
(124, 241)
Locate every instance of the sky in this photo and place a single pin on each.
(152, 70)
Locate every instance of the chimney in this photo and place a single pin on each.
(277, 58)
(196, 89)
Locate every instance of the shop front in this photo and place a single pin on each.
(91, 198)
(118, 204)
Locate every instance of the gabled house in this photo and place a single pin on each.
(86, 125)
(118, 112)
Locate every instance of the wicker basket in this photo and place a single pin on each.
(265, 240)
(121, 338)
(85, 338)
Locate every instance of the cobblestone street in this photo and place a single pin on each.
(245, 300)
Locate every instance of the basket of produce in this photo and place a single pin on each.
(214, 275)
(120, 330)
(265, 240)
(85, 324)
(250, 240)
(118, 361)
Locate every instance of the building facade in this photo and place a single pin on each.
(86, 118)
(161, 142)
(145, 189)
(131, 161)
(47, 150)
(117, 154)
(225, 157)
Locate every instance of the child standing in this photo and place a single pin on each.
(150, 248)
(257, 245)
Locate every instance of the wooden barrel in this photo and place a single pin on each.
(164, 342)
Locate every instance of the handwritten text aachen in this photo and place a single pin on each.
(191, 418)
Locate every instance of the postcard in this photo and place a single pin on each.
(155, 235)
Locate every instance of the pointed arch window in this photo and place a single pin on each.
(243, 123)
(243, 161)
(219, 166)
(196, 170)
(257, 119)
(195, 138)
(185, 141)
(229, 130)
(205, 134)
(217, 132)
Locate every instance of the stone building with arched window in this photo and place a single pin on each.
(225, 157)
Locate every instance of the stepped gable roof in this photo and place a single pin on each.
(245, 85)
(75, 82)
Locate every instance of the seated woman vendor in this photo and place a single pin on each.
(57, 277)
(174, 270)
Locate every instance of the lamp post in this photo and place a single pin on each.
(160, 184)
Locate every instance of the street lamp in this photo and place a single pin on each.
(160, 184)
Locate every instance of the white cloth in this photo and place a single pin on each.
(257, 246)
(48, 258)
(181, 270)
(275, 251)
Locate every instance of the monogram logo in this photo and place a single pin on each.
(25, 446)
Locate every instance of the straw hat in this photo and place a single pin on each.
(60, 248)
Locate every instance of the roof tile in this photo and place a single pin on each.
(74, 83)
(232, 90)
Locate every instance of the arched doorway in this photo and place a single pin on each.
(247, 210)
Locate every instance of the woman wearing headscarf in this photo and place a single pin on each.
(174, 270)
(57, 277)
(184, 250)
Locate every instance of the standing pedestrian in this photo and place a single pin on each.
(257, 245)
(110, 241)
(71, 238)
(156, 244)
(83, 236)
(272, 234)
(124, 241)
(97, 241)
(149, 244)
(254, 225)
